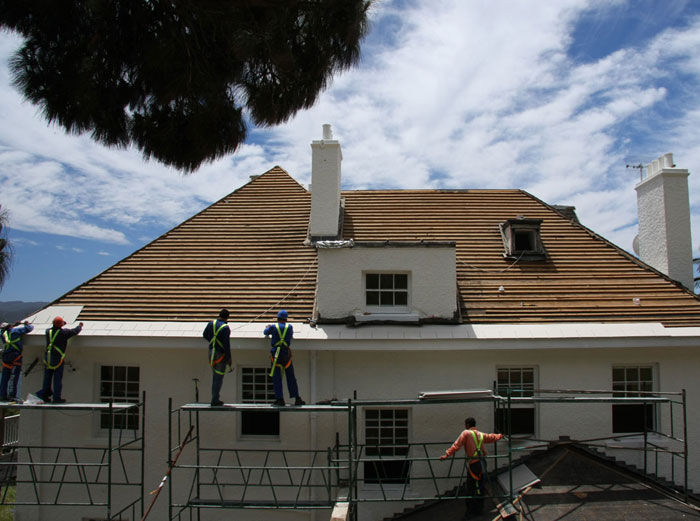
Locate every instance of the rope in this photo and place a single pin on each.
(492, 271)
(276, 304)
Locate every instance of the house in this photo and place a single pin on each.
(392, 293)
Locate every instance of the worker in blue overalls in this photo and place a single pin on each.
(56, 347)
(281, 335)
(218, 334)
(12, 359)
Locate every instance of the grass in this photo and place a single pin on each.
(7, 512)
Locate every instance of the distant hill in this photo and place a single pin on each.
(13, 310)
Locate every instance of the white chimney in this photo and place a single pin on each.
(663, 205)
(325, 186)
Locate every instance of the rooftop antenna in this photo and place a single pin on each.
(640, 166)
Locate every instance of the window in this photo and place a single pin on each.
(521, 383)
(522, 239)
(386, 437)
(628, 381)
(386, 290)
(256, 387)
(120, 383)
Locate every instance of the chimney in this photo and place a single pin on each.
(325, 187)
(664, 240)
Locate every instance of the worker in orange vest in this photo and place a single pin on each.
(56, 347)
(472, 440)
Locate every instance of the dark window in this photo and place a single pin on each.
(522, 239)
(386, 439)
(386, 289)
(256, 387)
(520, 381)
(630, 382)
(120, 384)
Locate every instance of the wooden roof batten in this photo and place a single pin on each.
(261, 261)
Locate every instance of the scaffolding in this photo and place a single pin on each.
(77, 475)
(272, 478)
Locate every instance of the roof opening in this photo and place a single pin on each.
(522, 239)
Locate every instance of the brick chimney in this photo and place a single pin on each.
(664, 240)
(325, 187)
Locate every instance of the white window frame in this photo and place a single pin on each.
(380, 309)
(129, 395)
(525, 390)
(394, 427)
(268, 398)
(627, 392)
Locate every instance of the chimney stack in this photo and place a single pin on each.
(325, 186)
(664, 240)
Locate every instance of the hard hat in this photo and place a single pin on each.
(59, 322)
(282, 313)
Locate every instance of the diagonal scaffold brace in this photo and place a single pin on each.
(155, 493)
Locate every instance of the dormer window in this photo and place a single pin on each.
(522, 239)
(386, 292)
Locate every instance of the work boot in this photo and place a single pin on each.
(59, 400)
(279, 402)
(217, 403)
(299, 401)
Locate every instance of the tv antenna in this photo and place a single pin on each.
(640, 166)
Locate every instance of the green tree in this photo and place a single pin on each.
(179, 79)
(5, 253)
(696, 274)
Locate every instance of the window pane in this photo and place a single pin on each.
(632, 373)
(133, 374)
(386, 299)
(618, 374)
(106, 372)
(372, 281)
(386, 281)
(645, 373)
(401, 281)
(120, 373)
(372, 298)
(401, 298)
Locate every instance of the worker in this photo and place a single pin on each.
(12, 359)
(281, 335)
(218, 334)
(56, 346)
(472, 440)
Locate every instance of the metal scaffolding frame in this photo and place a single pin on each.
(93, 474)
(234, 478)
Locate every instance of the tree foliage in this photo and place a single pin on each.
(5, 252)
(179, 78)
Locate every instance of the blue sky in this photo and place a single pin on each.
(551, 97)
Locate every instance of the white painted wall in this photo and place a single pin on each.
(664, 220)
(343, 367)
(432, 280)
(326, 158)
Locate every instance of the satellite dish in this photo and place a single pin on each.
(635, 245)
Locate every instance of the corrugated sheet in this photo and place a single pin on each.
(247, 253)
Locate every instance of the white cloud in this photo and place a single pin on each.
(457, 95)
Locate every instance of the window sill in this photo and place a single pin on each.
(393, 317)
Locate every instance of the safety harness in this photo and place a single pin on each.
(53, 335)
(279, 345)
(476, 457)
(214, 343)
(11, 343)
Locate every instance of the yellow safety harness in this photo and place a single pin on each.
(475, 457)
(279, 345)
(53, 335)
(11, 343)
(214, 342)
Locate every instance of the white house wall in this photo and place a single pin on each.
(341, 369)
(432, 280)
